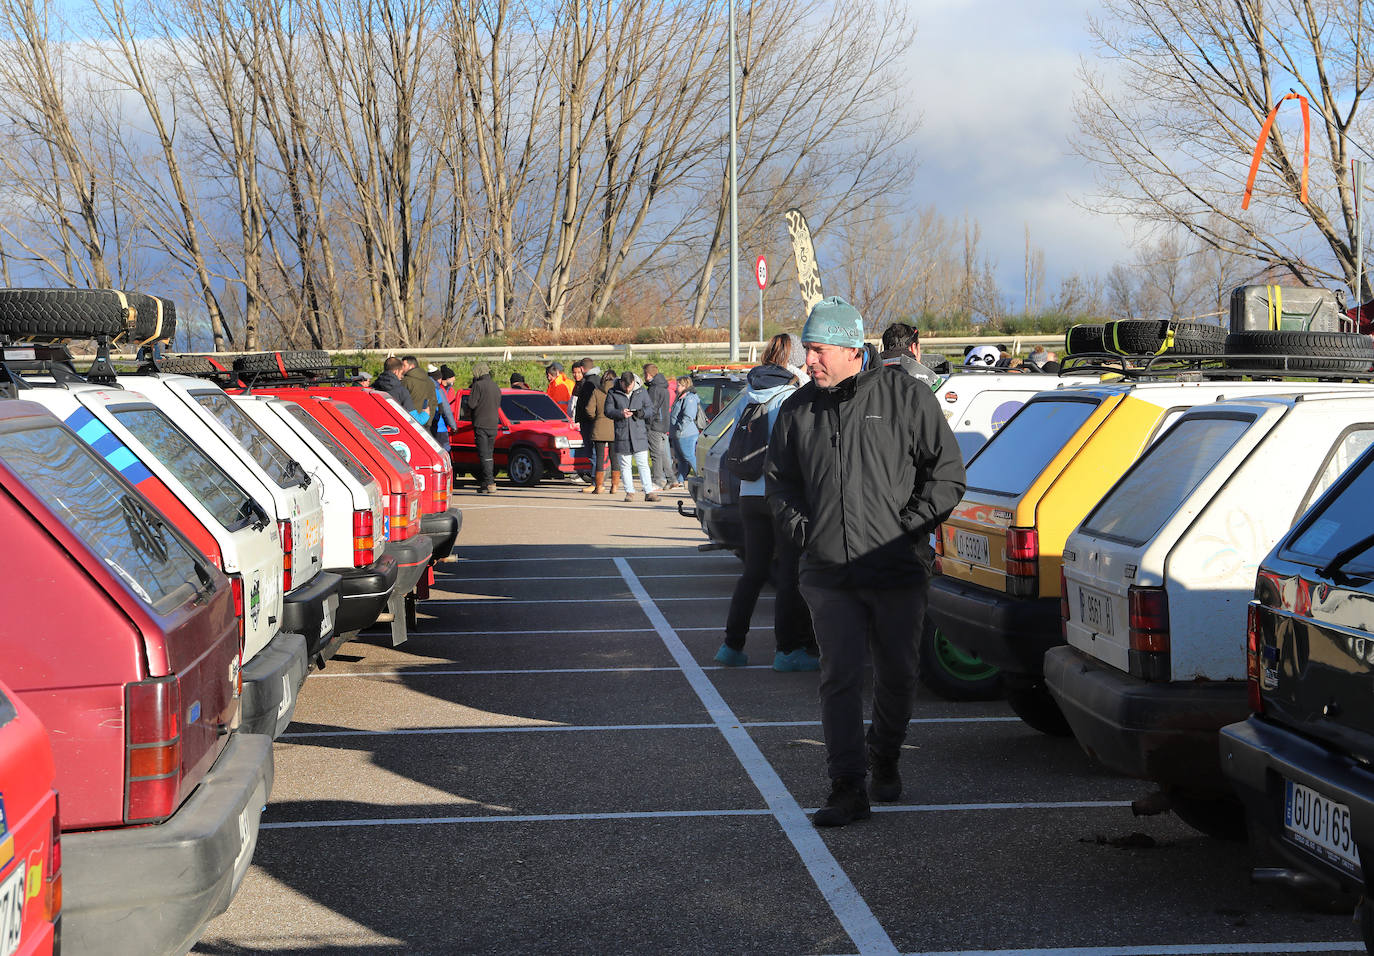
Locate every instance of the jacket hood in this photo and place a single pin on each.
(768, 376)
(659, 380)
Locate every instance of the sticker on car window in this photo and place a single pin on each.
(1317, 535)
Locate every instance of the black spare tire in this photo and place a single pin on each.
(1152, 337)
(191, 365)
(305, 360)
(156, 319)
(1084, 338)
(1303, 351)
(63, 313)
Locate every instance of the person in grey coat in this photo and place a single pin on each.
(627, 405)
(661, 458)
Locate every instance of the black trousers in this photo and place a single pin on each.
(486, 456)
(765, 555)
(850, 625)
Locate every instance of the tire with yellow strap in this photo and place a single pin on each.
(1162, 337)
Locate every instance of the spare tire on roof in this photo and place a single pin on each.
(1084, 338)
(1152, 337)
(192, 365)
(63, 313)
(156, 319)
(1308, 351)
(304, 360)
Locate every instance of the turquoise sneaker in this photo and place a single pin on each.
(797, 660)
(730, 657)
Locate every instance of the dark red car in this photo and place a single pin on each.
(536, 438)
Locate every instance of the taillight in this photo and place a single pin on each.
(1148, 632)
(152, 757)
(362, 538)
(288, 547)
(1252, 657)
(1063, 605)
(236, 586)
(398, 518)
(1023, 562)
(438, 494)
(52, 879)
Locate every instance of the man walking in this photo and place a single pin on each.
(483, 410)
(861, 467)
(656, 384)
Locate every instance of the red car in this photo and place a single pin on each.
(536, 438)
(30, 847)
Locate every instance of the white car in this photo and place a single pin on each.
(978, 402)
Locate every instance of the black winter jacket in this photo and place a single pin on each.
(859, 475)
(657, 387)
(391, 383)
(484, 404)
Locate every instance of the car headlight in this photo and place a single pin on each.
(561, 441)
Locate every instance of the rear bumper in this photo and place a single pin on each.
(1154, 730)
(363, 593)
(311, 608)
(442, 530)
(1010, 633)
(412, 557)
(271, 681)
(1258, 757)
(141, 890)
(720, 522)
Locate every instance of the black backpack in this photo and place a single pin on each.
(749, 443)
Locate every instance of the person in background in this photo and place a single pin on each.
(902, 351)
(603, 433)
(560, 386)
(770, 384)
(661, 463)
(582, 416)
(390, 382)
(443, 425)
(861, 467)
(518, 381)
(364, 378)
(578, 374)
(683, 429)
(421, 388)
(627, 405)
(484, 411)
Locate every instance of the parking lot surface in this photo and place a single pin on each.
(554, 764)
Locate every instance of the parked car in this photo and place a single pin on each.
(1300, 762)
(536, 439)
(717, 385)
(978, 401)
(30, 842)
(138, 691)
(1158, 576)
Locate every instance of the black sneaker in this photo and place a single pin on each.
(884, 782)
(847, 802)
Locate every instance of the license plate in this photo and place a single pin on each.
(1095, 610)
(1320, 825)
(327, 617)
(11, 910)
(972, 548)
(574, 443)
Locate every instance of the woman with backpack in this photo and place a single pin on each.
(685, 422)
(782, 372)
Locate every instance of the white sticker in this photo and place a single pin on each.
(1321, 531)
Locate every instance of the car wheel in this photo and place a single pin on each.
(303, 360)
(524, 468)
(1319, 351)
(953, 673)
(1220, 817)
(1031, 700)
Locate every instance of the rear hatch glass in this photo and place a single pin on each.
(1152, 491)
(370, 435)
(197, 471)
(321, 434)
(266, 452)
(113, 519)
(1019, 452)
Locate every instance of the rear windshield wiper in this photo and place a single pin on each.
(1343, 556)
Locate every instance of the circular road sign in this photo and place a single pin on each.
(761, 272)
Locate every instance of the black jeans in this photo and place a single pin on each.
(850, 624)
(486, 456)
(791, 619)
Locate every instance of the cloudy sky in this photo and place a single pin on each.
(995, 82)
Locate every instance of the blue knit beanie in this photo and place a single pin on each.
(834, 321)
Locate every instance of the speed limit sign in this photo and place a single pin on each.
(761, 272)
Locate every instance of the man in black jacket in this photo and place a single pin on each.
(861, 468)
(483, 410)
(390, 382)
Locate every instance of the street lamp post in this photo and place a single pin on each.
(734, 205)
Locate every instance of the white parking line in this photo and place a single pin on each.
(543, 632)
(848, 906)
(448, 578)
(1196, 949)
(598, 728)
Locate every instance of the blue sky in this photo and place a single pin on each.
(994, 82)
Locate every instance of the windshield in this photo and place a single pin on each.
(531, 407)
(266, 452)
(321, 434)
(200, 474)
(371, 437)
(1338, 521)
(1016, 455)
(1161, 481)
(113, 519)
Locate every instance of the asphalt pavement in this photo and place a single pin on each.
(554, 764)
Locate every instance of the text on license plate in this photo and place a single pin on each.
(1321, 825)
(1095, 610)
(11, 910)
(972, 547)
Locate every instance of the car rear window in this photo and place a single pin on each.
(321, 434)
(189, 464)
(1338, 521)
(113, 519)
(726, 418)
(1145, 497)
(372, 437)
(532, 407)
(1021, 449)
(266, 452)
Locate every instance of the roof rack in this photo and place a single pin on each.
(53, 360)
(1212, 367)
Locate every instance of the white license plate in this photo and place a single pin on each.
(1321, 825)
(1095, 610)
(574, 443)
(327, 617)
(11, 910)
(972, 547)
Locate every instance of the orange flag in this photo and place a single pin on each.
(1264, 135)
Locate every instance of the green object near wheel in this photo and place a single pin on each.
(953, 673)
